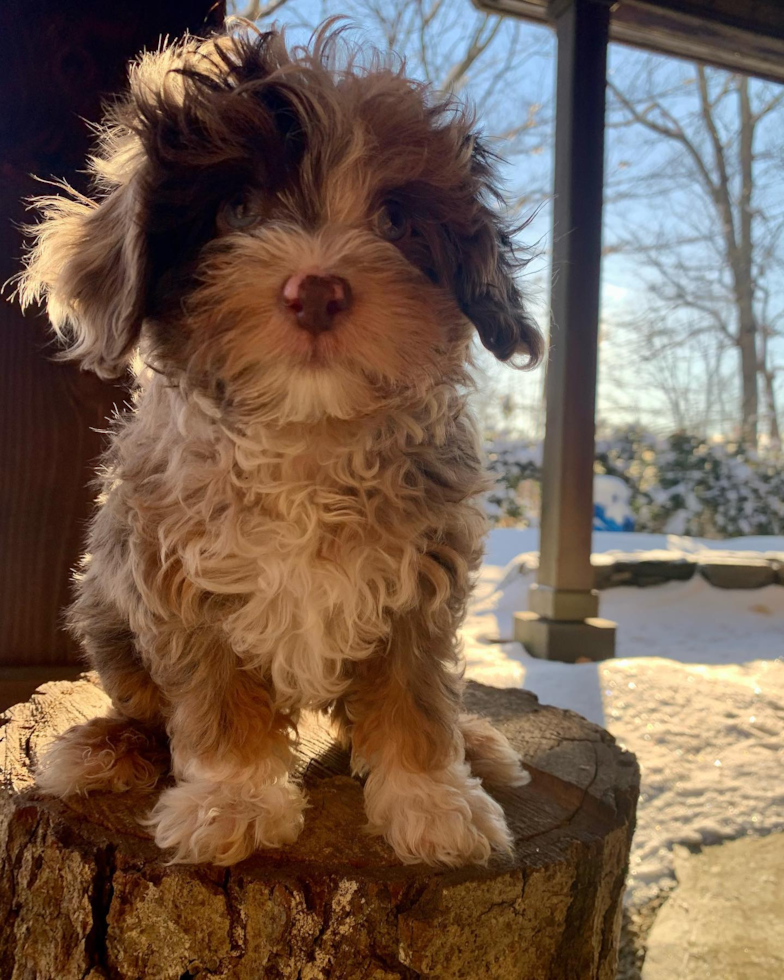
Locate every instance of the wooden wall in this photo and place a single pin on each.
(58, 60)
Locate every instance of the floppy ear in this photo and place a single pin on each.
(486, 287)
(87, 264)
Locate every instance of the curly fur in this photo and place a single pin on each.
(103, 754)
(286, 521)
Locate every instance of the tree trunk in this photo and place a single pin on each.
(743, 272)
(748, 366)
(773, 423)
(86, 895)
(738, 244)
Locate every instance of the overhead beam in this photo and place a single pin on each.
(737, 35)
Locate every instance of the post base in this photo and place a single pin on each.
(568, 642)
(563, 604)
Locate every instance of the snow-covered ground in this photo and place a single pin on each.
(696, 689)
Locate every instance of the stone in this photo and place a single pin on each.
(738, 573)
(657, 572)
(85, 893)
(640, 572)
(724, 920)
(604, 572)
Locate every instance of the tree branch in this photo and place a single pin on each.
(476, 47)
(255, 10)
(722, 187)
(771, 105)
(673, 133)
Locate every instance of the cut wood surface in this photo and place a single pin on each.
(86, 895)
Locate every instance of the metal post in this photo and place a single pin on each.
(562, 623)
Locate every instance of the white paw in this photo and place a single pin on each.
(501, 769)
(222, 823)
(442, 817)
(490, 755)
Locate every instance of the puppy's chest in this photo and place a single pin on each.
(321, 566)
(314, 533)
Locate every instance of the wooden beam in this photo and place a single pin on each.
(737, 35)
(564, 590)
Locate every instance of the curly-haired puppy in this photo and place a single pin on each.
(300, 248)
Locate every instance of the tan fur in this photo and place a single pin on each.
(287, 520)
(103, 754)
(490, 755)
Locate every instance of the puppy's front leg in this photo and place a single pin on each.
(232, 755)
(420, 794)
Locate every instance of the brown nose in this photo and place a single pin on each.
(315, 300)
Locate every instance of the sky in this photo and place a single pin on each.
(512, 85)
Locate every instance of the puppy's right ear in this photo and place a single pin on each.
(87, 263)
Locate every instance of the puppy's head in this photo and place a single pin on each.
(291, 237)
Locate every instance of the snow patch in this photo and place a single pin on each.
(696, 690)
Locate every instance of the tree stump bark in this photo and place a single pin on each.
(86, 895)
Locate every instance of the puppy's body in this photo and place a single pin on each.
(289, 516)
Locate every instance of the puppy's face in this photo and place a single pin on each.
(291, 239)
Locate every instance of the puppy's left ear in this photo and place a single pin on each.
(87, 264)
(486, 287)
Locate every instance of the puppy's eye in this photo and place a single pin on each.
(392, 222)
(239, 214)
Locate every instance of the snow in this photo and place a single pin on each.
(504, 544)
(696, 690)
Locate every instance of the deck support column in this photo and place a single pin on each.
(563, 622)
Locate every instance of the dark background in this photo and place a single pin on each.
(58, 62)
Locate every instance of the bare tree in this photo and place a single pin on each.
(712, 237)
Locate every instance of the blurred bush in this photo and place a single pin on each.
(680, 484)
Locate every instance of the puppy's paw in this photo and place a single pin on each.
(111, 754)
(222, 823)
(490, 755)
(442, 817)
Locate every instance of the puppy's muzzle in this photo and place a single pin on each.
(316, 300)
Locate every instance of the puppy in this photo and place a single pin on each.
(299, 247)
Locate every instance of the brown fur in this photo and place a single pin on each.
(105, 754)
(287, 520)
(237, 724)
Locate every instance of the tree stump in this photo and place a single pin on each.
(86, 895)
